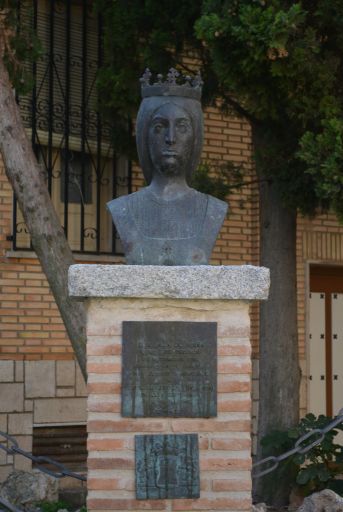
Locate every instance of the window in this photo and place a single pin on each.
(79, 167)
(71, 140)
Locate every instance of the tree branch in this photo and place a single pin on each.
(239, 109)
(249, 183)
(47, 235)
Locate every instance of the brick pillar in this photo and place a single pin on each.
(190, 294)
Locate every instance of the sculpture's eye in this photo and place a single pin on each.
(182, 127)
(158, 127)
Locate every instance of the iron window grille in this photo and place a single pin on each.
(69, 136)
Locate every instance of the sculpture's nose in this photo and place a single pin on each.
(170, 134)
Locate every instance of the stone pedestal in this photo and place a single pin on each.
(117, 294)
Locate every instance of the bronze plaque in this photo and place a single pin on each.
(167, 466)
(169, 369)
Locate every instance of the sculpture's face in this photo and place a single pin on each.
(170, 140)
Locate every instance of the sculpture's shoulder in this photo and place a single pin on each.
(120, 210)
(119, 207)
(215, 215)
(217, 208)
(218, 204)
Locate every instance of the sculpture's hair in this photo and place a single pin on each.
(145, 113)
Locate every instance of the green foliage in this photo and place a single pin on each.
(316, 469)
(139, 34)
(55, 506)
(255, 38)
(282, 61)
(277, 62)
(47, 506)
(21, 44)
(323, 154)
(217, 182)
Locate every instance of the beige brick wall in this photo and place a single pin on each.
(225, 444)
(31, 326)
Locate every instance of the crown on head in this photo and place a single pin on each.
(174, 85)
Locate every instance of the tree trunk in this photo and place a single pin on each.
(279, 374)
(48, 239)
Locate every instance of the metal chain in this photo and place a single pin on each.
(9, 505)
(63, 471)
(272, 461)
(317, 434)
(13, 449)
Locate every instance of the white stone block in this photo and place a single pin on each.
(60, 410)
(6, 371)
(20, 424)
(4, 472)
(22, 463)
(19, 371)
(63, 392)
(11, 397)
(3, 458)
(81, 387)
(3, 422)
(65, 373)
(28, 405)
(40, 379)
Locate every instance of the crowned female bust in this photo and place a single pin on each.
(168, 222)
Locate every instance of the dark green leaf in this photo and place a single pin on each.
(303, 477)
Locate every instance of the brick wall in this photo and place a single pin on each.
(225, 444)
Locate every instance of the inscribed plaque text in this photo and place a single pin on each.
(169, 369)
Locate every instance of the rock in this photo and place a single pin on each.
(25, 489)
(259, 507)
(324, 501)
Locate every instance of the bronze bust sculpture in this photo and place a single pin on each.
(168, 222)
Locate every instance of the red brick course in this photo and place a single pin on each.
(224, 441)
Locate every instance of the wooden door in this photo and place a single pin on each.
(325, 340)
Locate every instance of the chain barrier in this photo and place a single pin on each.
(60, 471)
(303, 445)
(14, 449)
(9, 505)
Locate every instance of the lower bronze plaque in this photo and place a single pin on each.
(169, 369)
(167, 466)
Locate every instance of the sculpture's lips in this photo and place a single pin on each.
(169, 153)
